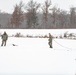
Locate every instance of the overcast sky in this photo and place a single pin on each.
(8, 5)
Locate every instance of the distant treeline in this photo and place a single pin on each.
(38, 16)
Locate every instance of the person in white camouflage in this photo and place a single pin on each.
(50, 40)
(4, 38)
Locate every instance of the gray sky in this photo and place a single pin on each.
(8, 5)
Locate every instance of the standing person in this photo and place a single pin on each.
(4, 37)
(50, 40)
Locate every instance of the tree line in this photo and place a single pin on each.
(41, 16)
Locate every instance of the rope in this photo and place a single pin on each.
(63, 46)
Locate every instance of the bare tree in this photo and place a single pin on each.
(45, 10)
(55, 11)
(62, 17)
(73, 17)
(31, 15)
(17, 16)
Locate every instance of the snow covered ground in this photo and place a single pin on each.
(32, 56)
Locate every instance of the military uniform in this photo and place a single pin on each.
(4, 39)
(50, 40)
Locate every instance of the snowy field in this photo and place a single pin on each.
(32, 56)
